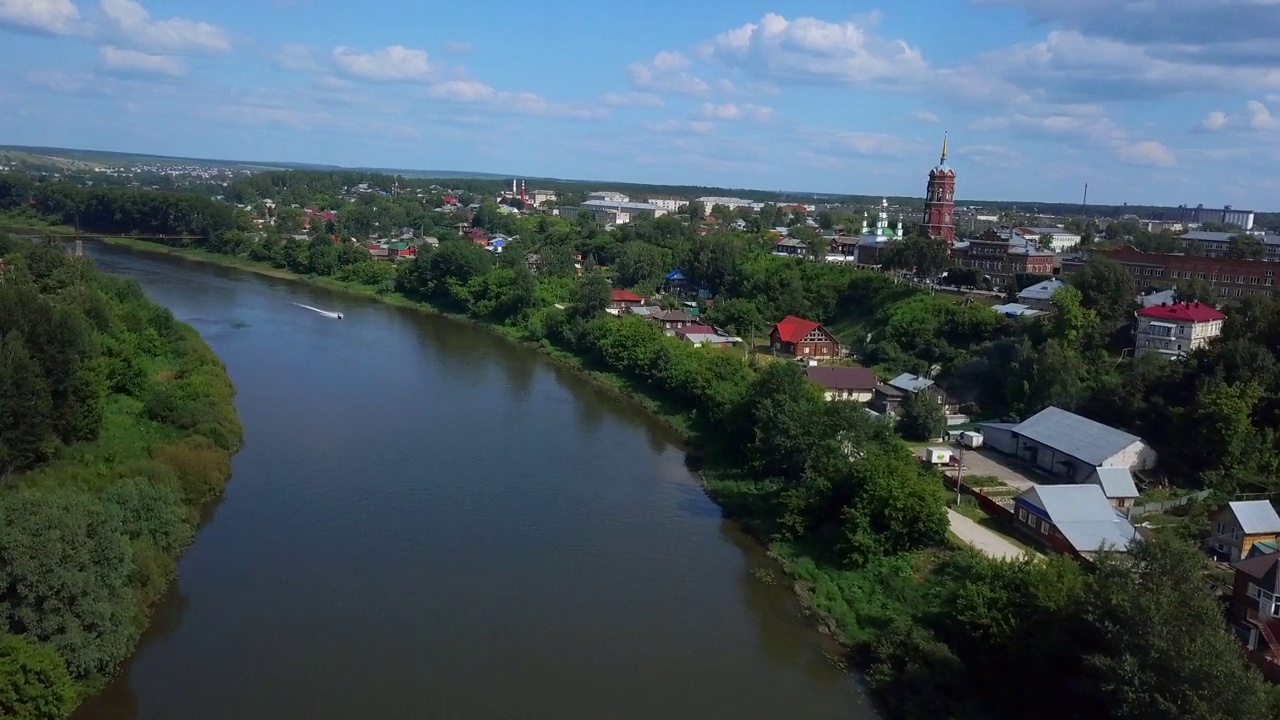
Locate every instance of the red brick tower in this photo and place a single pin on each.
(939, 200)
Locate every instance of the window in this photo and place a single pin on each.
(1253, 281)
(1213, 277)
(1022, 515)
(1044, 527)
(1252, 591)
(1200, 275)
(1239, 279)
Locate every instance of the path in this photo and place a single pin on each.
(983, 539)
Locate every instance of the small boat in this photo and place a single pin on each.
(339, 316)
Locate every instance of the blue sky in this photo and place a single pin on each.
(1149, 101)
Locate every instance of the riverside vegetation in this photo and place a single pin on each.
(939, 630)
(116, 429)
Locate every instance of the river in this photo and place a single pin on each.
(428, 521)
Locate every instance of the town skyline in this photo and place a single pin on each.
(1149, 106)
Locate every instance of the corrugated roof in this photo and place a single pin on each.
(907, 382)
(1256, 516)
(1042, 290)
(1071, 434)
(1083, 516)
(1116, 482)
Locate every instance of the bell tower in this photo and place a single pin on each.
(939, 200)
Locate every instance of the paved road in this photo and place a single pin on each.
(983, 539)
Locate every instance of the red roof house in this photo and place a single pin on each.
(625, 298)
(802, 338)
(1176, 329)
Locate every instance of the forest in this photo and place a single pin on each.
(116, 428)
(938, 629)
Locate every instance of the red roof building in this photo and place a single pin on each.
(1177, 329)
(802, 338)
(625, 298)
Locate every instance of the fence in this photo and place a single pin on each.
(1140, 510)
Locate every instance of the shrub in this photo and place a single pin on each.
(201, 466)
(34, 682)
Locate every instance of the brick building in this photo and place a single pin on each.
(1229, 278)
(1001, 255)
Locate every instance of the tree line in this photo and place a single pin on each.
(116, 424)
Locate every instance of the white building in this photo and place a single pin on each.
(614, 213)
(608, 196)
(1177, 329)
(732, 203)
(1060, 240)
(537, 197)
(670, 203)
(1068, 445)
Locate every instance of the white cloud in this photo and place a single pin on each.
(55, 17)
(809, 49)
(458, 47)
(631, 99)
(872, 143)
(465, 91)
(1147, 152)
(667, 73)
(991, 155)
(683, 127)
(1260, 117)
(176, 35)
(732, 111)
(132, 61)
(395, 63)
(296, 56)
(1215, 120)
(924, 116)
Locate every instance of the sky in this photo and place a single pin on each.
(1148, 101)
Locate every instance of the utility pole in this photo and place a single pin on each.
(959, 473)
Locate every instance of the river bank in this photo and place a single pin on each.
(808, 577)
(116, 497)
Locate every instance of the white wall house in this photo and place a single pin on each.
(1176, 329)
(1069, 445)
(1061, 240)
(732, 203)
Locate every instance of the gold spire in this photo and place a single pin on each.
(944, 147)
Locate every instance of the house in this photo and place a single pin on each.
(844, 383)
(802, 338)
(1238, 526)
(1072, 519)
(1229, 278)
(791, 247)
(623, 299)
(1253, 611)
(431, 242)
(1117, 485)
(644, 311)
(1059, 240)
(890, 396)
(1068, 445)
(379, 251)
(1174, 330)
(706, 335)
(675, 282)
(1040, 295)
(672, 320)
(400, 251)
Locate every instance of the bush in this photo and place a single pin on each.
(201, 466)
(34, 682)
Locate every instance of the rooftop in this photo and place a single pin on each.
(907, 382)
(1042, 290)
(1256, 516)
(842, 378)
(793, 329)
(1116, 482)
(1083, 516)
(1070, 434)
(1196, 312)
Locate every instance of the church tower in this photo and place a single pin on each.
(939, 200)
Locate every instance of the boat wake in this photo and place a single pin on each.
(326, 313)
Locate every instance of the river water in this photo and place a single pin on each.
(427, 521)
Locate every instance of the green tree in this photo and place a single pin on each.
(1156, 647)
(65, 566)
(922, 416)
(34, 683)
(927, 257)
(1195, 290)
(26, 409)
(289, 220)
(595, 294)
(1106, 288)
(1246, 247)
(640, 264)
